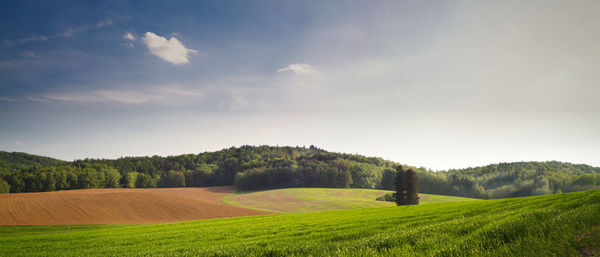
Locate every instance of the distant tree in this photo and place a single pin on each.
(17, 184)
(412, 187)
(130, 179)
(175, 179)
(407, 187)
(344, 179)
(49, 183)
(400, 186)
(111, 178)
(4, 187)
(387, 178)
(144, 181)
(203, 175)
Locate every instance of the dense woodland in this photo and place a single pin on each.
(518, 179)
(15, 162)
(265, 167)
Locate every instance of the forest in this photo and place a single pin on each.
(518, 179)
(268, 167)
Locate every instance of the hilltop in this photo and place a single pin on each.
(11, 162)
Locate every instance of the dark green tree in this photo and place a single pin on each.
(407, 187)
(4, 187)
(17, 184)
(175, 179)
(144, 181)
(400, 186)
(412, 187)
(387, 179)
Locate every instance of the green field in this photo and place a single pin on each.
(292, 200)
(553, 225)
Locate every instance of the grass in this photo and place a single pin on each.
(292, 200)
(531, 226)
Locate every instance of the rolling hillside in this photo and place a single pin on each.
(118, 206)
(293, 200)
(11, 162)
(525, 178)
(554, 225)
(161, 205)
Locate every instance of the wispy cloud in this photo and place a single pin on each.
(170, 50)
(105, 22)
(166, 94)
(178, 91)
(299, 68)
(220, 96)
(66, 33)
(131, 97)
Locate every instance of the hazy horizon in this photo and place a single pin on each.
(436, 84)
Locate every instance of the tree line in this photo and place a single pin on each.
(514, 179)
(266, 167)
(248, 167)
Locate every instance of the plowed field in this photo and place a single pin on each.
(118, 206)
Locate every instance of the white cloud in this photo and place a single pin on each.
(170, 50)
(299, 68)
(129, 36)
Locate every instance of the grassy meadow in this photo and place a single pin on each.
(553, 225)
(292, 200)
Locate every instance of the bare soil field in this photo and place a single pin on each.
(118, 206)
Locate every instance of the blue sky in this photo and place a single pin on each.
(435, 84)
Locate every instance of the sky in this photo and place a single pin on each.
(438, 84)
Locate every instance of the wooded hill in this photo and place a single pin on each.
(522, 179)
(266, 167)
(15, 162)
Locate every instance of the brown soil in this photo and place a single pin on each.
(118, 206)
